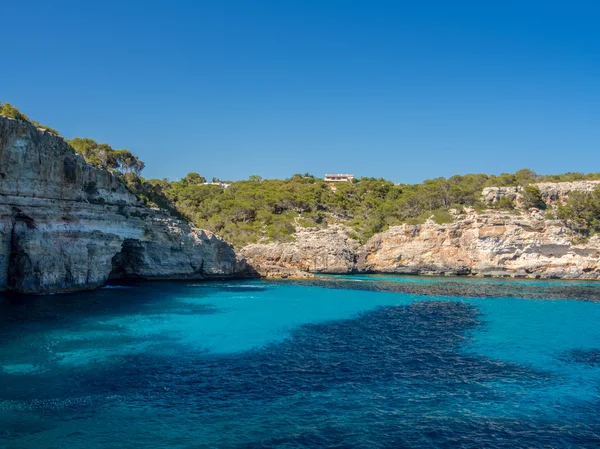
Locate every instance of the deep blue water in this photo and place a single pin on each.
(341, 362)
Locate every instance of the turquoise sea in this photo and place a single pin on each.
(340, 361)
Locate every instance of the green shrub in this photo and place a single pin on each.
(440, 216)
(581, 212)
(8, 110)
(103, 155)
(532, 197)
(504, 203)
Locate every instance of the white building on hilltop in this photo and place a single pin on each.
(220, 184)
(339, 178)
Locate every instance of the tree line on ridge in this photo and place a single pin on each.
(259, 209)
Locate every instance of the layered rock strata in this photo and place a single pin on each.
(314, 250)
(485, 244)
(490, 244)
(66, 225)
(552, 192)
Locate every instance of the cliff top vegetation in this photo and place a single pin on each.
(8, 110)
(270, 209)
(99, 154)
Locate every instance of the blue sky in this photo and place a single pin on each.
(397, 89)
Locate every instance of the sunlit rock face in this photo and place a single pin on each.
(314, 250)
(488, 244)
(552, 192)
(66, 225)
(493, 243)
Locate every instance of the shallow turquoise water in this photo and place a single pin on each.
(337, 363)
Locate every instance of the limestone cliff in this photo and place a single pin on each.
(489, 244)
(313, 251)
(66, 225)
(494, 243)
(552, 192)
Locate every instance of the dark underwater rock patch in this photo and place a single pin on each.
(589, 357)
(460, 289)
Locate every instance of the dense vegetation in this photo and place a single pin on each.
(103, 155)
(581, 212)
(253, 210)
(270, 210)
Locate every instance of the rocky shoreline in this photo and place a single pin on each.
(493, 243)
(66, 225)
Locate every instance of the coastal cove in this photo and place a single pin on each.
(331, 361)
(69, 222)
(300, 225)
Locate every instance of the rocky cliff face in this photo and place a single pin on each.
(314, 251)
(66, 225)
(487, 244)
(552, 192)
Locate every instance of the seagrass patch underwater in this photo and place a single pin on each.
(337, 362)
